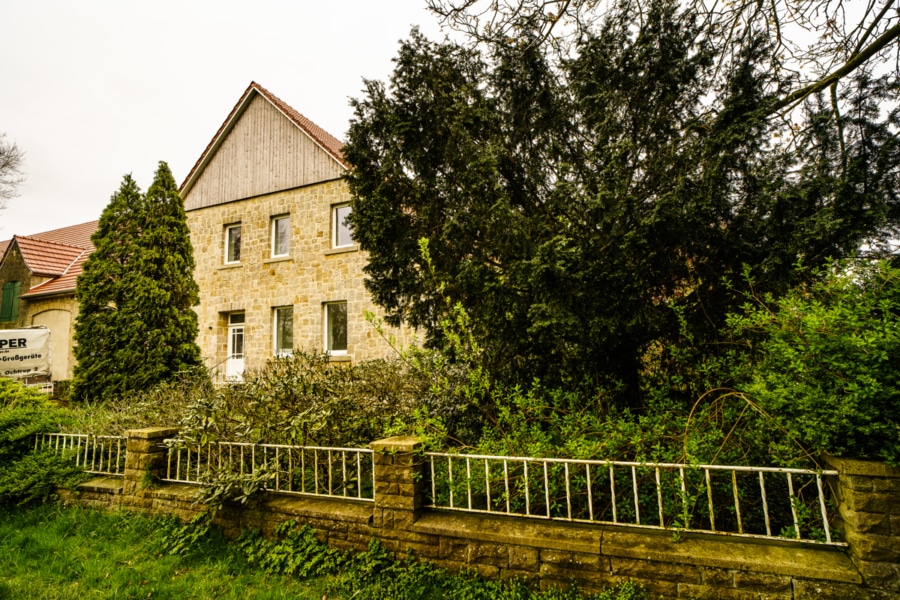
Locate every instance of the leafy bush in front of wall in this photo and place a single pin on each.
(27, 476)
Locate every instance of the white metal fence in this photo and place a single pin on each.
(98, 454)
(305, 470)
(758, 502)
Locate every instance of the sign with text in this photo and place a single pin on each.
(24, 352)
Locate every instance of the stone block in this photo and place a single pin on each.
(872, 503)
(716, 577)
(529, 577)
(865, 522)
(572, 560)
(881, 575)
(487, 554)
(427, 551)
(645, 569)
(827, 590)
(874, 548)
(704, 592)
(523, 558)
(395, 502)
(762, 582)
(453, 549)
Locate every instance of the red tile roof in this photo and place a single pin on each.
(58, 253)
(47, 258)
(328, 142)
(65, 283)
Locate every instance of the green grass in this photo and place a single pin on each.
(72, 553)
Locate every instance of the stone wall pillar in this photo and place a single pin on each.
(398, 481)
(146, 456)
(868, 495)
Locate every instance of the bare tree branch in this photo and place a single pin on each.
(11, 174)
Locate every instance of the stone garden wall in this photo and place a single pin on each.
(555, 553)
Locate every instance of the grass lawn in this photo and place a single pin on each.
(73, 553)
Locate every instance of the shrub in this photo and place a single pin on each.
(26, 476)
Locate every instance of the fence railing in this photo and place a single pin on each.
(304, 470)
(761, 502)
(98, 454)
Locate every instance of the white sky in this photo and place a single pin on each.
(93, 90)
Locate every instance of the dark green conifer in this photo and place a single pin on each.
(136, 326)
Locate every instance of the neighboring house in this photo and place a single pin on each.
(277, 267)
(37, 275)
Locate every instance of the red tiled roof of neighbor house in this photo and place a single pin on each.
(328, 142)
(47, 258)
(58, 253)
(65, 283)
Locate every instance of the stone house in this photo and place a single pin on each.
(37, 279)
(277, 267)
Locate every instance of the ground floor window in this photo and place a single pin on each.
(336, 327)
(283, 328)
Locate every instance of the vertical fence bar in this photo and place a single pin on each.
(487, 483)
(684, 507)
(793, 507)
(527, 492)
(344, 471)
(822, 508)
(450, 473)
(303, 470)
(506, 483)
(316, 470)
(433, 483)
(709, 495)
(762, 490)
(590, 496)
(662, 522)
(290, 472)
(469, 482)
(359, 475)
(612, 490)
(637, 505)
(568, 491)
(737, 501)
(178, 464)
(547, 490)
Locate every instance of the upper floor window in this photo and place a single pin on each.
(233, 244)
(9, 303)
(283, 328)
(341, 234)
(336, 327)
(281, 236)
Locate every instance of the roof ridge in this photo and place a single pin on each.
(322, 138)
(31, 238)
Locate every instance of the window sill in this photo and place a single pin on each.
(231, 266)
(277, 259)
(339, 358)
(342, 249)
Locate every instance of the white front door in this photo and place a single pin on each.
(234, 364)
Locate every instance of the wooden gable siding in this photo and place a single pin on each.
(264, 152)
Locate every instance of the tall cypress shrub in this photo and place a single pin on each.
(136, 326)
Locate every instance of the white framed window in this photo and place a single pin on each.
(341, 233)
(232, 244)
(281, 235)
(336, 327)
(283, 330)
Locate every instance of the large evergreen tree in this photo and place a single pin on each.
(591, 214)
(136, 325)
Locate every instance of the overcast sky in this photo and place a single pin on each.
(94, 90)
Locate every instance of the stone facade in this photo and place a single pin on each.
(555, 553)
(267, 161)
(309, 276)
